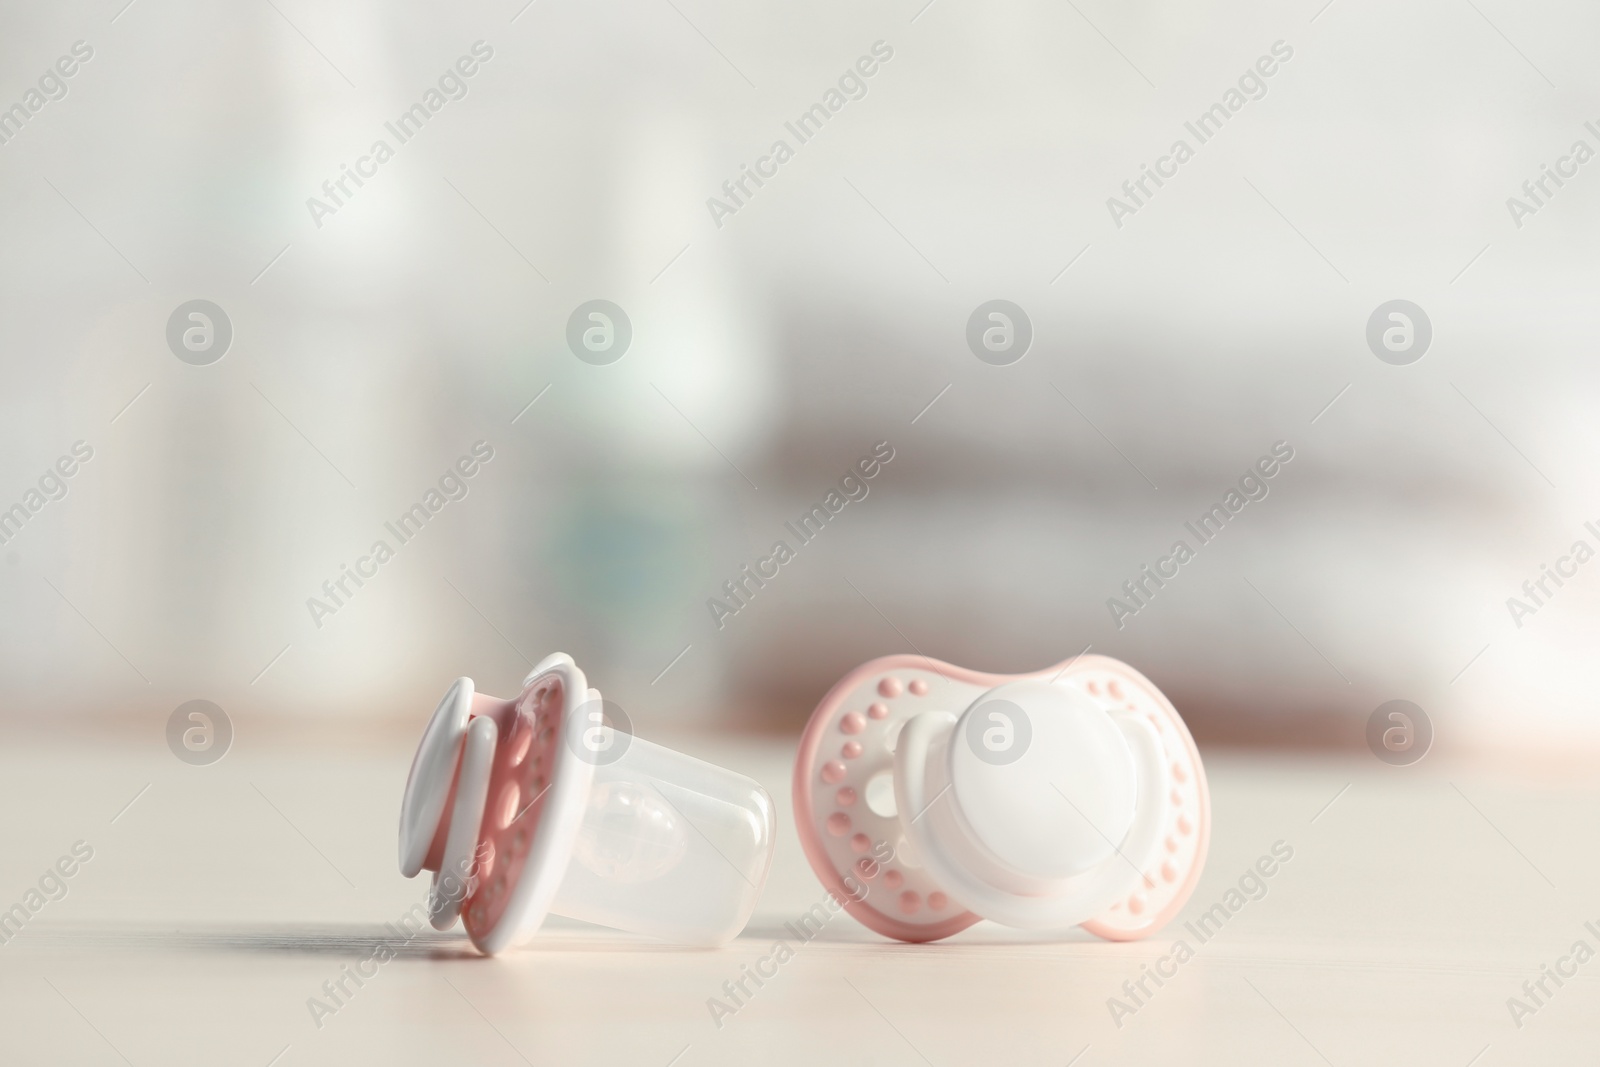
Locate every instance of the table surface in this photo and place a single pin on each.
(220, 900)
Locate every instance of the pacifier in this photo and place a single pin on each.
(929, 796)
(548, 804)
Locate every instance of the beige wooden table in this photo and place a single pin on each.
(1417, 901)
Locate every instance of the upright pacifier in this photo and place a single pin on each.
(546, 803)
(929, 796)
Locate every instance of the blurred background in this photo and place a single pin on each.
(773, 346)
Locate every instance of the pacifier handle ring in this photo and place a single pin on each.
(466, 816)
(433, 767)
(1089, 894)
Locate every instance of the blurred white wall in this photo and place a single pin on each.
(772, 351)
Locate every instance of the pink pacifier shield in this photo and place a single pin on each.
(524, 762)
(844, 794)
(1166, 887)
(845, 807)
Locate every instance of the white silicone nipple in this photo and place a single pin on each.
(669, 846)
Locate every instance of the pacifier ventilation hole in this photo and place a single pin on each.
(879, 794)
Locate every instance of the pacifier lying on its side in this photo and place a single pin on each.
(547, 803)
(929, 796)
